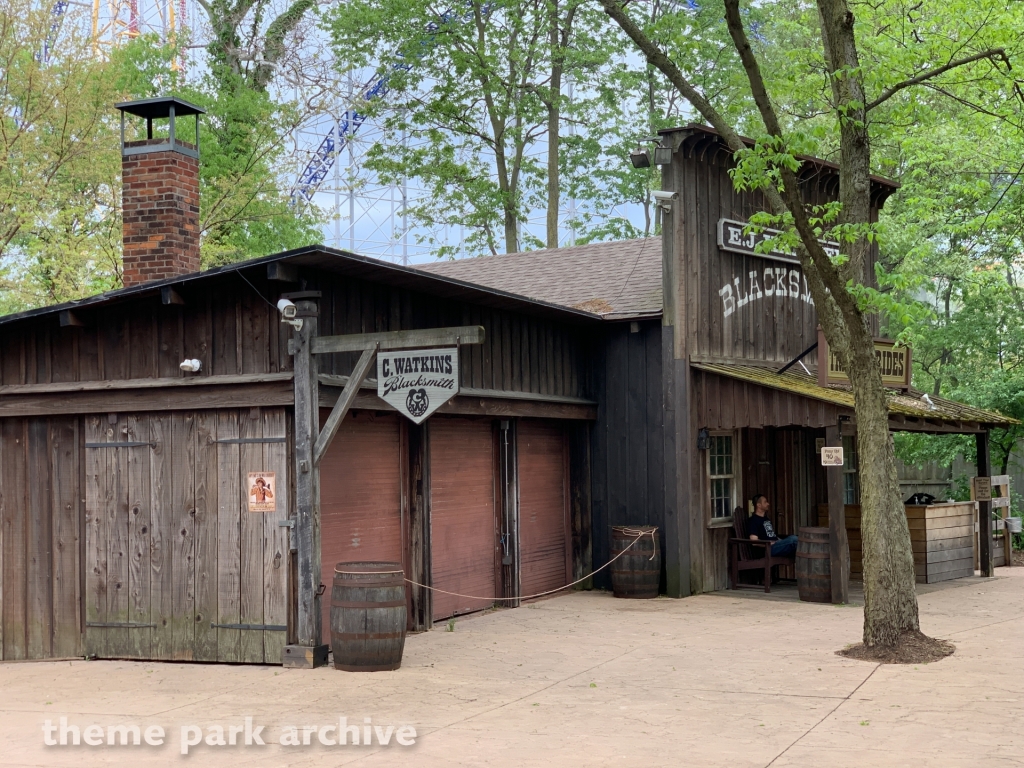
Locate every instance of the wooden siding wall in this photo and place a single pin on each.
(520, 353)
(41, 513)
(628, 462)
(772, 328)
(227, 325)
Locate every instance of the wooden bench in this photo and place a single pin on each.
(746, 554)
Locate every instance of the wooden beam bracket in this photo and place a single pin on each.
(428, 337)
(70, 319)
(348, 396)
(170, 296)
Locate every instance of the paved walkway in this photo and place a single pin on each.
(584, 680)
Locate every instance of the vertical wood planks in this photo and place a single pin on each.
(229, 494)
(95, 536)
(140, 528)
(38, 591)
(15, 479)
(250, 426)
(275, 537)
(162, 535)
(116, 509)
(182, 513)
(206, 530)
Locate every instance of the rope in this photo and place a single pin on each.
(628, 531)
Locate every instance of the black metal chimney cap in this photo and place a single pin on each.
(160, 107)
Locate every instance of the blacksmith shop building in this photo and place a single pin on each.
(173, 484)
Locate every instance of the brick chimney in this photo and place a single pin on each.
(160, 195)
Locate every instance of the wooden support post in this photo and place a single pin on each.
(839, 544)
(306, 534)
(684, 516)
(348, 396)
(984, 508)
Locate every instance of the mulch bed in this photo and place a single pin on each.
(1018, 557)
(912, 648)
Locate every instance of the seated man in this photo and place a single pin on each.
(760, 528)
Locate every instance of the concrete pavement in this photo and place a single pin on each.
(727, 679)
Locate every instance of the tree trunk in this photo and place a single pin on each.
(890, 597)
(554, 118)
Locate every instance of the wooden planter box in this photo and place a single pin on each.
(941, 535)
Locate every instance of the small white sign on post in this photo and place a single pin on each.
(831, 456)
(419, 381)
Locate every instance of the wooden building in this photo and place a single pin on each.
(707, 390)
(170, 488)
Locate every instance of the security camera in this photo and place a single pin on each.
(191, 366)
(288, 311)
(286, 308)
(664, 199)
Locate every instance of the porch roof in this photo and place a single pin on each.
(907, 411)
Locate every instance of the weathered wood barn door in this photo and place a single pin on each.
(463, 519)
(40, 538)
(360, 497)
(176, 565)
(545, 557)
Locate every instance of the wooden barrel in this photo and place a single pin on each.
(368, 616)
(637, 573)
(813, 566)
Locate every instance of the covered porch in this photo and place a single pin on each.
(768, 429)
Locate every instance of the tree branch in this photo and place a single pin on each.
(991, 54)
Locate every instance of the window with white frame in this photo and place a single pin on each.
(721, 477)
(851, 479)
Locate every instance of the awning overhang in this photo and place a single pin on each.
(908, 411)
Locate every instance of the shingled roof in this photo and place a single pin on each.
(618, 280)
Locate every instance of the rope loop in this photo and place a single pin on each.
(636, 532)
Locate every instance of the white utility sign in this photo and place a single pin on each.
(831, 456)
(418, 381)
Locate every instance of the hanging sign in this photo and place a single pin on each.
(418, 382)
(893, 361)
(262, 492)
(731, 238)
(982, 487)
(831, 456)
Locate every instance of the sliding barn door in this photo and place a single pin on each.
(360, 498)
(179, 563)
(463, 536)
(543, 507)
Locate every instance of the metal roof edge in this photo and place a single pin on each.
(416, 275)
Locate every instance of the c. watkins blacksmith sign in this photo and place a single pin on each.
(418, 382)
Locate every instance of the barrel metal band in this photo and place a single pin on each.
(367, 604)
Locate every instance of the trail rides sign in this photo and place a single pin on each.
(418, 382)
(893, 361)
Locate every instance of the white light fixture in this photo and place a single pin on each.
(191, 366)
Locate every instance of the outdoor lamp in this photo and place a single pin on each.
(662, 155)
(639, 158)
(702, 439)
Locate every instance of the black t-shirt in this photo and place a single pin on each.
(761, 527)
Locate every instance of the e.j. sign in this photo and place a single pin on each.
(418, 382)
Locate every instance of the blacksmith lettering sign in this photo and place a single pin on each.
(418, 382)
(732, 238)
(771, 282)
